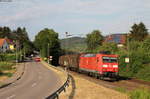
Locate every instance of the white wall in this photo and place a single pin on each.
(5, 47)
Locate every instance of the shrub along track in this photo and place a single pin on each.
(127, 84)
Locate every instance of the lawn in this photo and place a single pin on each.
(7, 69)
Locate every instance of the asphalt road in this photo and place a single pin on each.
(38, 82)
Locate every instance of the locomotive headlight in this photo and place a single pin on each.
(115, 66)
(105, 65)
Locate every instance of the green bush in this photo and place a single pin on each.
(2, 57)
(111, 47)
(138, 53)
(144, 73)
(5, 66)
(10, 57)
(139, 60)
(8, 74)
(7, 57)
(123, 67)
(140, 94)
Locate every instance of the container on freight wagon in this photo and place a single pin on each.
(70, 61)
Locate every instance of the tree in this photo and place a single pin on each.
(146, 45)
(94, 39)
(21, 34)
(5, 32)
(138, 32)
(111, 47)
(47, 42)
(28, 47)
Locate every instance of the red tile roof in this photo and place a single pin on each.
(2, 42)
(5, 39)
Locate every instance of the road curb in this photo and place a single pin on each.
(16, 76)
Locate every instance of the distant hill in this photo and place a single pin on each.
(76, 44)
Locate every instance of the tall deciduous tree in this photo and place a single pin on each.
(94, 39)
(48, 43)
(138, 32)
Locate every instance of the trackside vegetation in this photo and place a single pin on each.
(136, 48)
(140, 94)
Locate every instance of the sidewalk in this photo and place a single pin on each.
(16, 76)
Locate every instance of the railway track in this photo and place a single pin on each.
(127, 84)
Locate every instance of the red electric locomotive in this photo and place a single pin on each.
(100, 65)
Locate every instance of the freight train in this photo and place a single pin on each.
(98, 65)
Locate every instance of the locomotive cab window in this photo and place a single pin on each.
(109, 59)
(113, 59)
(106, 59)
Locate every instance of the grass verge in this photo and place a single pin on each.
(7, 69)
(121, 89)
(6, 66)
(140, 94)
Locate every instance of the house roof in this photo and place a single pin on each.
(9, 41)
(116, 38)
(2, 41)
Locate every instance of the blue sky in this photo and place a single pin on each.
(75, 16)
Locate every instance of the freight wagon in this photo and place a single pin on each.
(99, 65)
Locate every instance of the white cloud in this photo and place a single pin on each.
(31, 10)
(111, 15)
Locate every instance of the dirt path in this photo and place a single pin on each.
(81, 88)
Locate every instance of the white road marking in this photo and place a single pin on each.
(34, 84)
(10, 97)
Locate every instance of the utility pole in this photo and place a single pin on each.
(24, 54)
(127, 59)
(66, 42)
(66, 33)
(48, 53)
(128, 48)
(16, 52)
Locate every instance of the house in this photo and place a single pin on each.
(119, 39)
(11, 44)
(4, 46)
